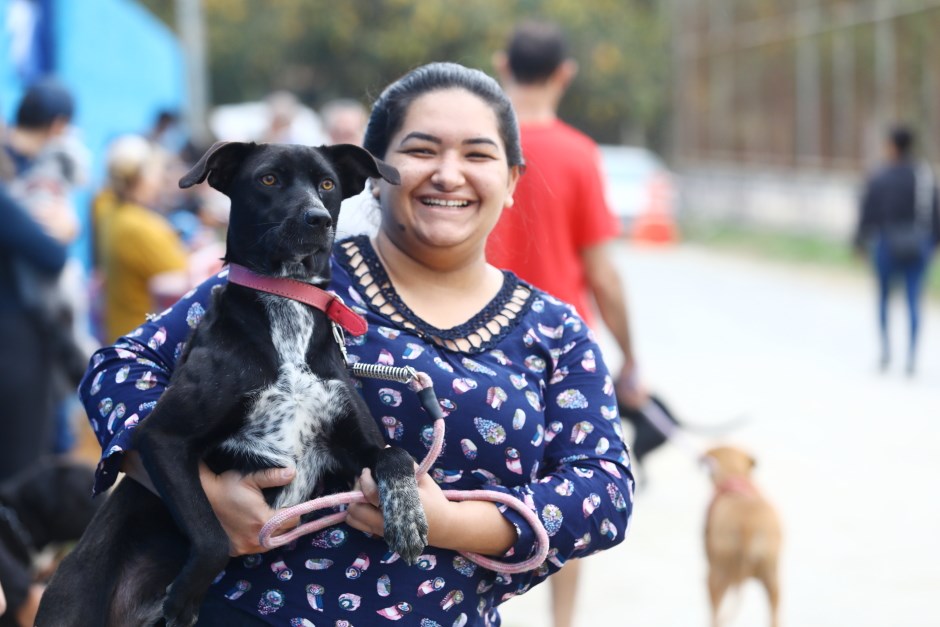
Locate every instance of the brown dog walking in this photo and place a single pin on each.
(742, 531)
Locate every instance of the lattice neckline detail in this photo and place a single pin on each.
(479, 334)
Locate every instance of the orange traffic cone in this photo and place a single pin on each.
(655, 224)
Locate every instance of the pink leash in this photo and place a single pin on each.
(421, 383)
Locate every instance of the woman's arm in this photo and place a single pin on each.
(584, 494)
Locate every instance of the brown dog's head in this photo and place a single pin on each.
(726, 462)
(285, 201)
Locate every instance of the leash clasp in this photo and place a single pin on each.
(340, 338)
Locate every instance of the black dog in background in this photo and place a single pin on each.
(45, 504)
(655, 424)
(647, 436)
(261, 384)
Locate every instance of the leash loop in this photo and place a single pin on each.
(422, 384)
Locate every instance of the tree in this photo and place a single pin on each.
(321, 49)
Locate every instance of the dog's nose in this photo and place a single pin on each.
(318, 218)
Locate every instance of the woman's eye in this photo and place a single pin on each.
(327, 185)
(269, 180)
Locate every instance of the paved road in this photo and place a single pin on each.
(848, 455)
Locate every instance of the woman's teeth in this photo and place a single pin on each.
(437, 202)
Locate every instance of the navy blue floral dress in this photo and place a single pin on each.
(530, 412)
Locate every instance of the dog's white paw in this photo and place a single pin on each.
(406, 527)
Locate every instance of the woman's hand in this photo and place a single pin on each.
(474, 526)
(240, 506)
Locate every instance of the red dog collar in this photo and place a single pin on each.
(303, 293)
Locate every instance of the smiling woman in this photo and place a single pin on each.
(529, 402)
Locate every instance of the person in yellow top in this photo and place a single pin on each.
(142, 259)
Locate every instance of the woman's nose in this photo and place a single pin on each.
(449, 173)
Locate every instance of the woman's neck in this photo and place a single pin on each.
(443, 291)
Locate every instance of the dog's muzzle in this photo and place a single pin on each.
(318, 218)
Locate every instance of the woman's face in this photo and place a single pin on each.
(455, 180)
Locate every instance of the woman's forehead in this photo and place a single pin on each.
(453, 113)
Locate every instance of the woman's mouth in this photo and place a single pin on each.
(441, 202)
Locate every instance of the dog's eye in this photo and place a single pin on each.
(327, 185)
(269, 180)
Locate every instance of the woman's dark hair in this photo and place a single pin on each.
(388, 112)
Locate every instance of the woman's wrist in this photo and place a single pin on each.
(475, 526)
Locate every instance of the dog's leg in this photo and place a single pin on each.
(717, 587)
(768, 576)
(359, 443)
(173, 465)
(406, 527)
(170, 443)
(116, 575)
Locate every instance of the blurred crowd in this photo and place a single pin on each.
(150, 242)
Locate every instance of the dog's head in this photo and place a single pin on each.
(728, 462)
(285, 201)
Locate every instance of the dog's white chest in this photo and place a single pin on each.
(289, 421)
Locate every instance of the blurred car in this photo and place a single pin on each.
(639, 185)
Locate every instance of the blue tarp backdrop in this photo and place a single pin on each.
(122, 64)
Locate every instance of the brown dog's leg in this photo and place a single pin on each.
(717, 586)
(768, 576)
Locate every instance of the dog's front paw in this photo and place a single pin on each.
(406, 527)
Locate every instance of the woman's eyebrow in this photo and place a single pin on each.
(481, 140)
(422, 136)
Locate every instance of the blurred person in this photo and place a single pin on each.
(28, 421)
(48, 164)
(344, 121)
(142, 259)
(557, 233)
(289, 122)
(428, 293)
(898, 229)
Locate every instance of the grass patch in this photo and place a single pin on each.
(796, 248)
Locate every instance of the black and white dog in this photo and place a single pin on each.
(262, 383)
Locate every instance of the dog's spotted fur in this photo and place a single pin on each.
(290, 421)
(261, 384)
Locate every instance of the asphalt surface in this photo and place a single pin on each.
(847, 454)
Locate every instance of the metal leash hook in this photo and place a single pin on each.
(421, 383)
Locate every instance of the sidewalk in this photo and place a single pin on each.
(849, 456)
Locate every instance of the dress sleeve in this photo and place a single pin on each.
(124, 381)
(584, 494)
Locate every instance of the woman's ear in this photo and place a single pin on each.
(514, 173)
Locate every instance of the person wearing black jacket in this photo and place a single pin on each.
(899, 228)
(26, 422)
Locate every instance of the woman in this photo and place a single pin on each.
(530, 403)
(142, 259)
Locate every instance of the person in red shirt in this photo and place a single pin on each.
(557, 232)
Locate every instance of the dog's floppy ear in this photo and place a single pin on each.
(218, 165)
(355, 165)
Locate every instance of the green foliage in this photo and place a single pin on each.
(321, 49)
